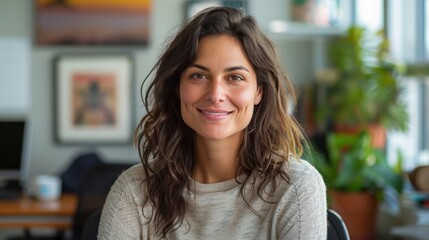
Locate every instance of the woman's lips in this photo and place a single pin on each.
(214, 114)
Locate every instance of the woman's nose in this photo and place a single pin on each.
(216, 92)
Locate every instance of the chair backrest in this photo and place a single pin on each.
(72, 176)
(337, 229)
(96, 184)
(90, 229)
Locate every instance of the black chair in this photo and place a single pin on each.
(337, 229)
(90, 229)
(96, 185)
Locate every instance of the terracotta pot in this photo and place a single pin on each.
(358, 210)
(419, 177)
(378, 136)
(303, 12)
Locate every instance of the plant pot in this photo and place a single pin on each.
(302, 11)
(419, 177)
(358, 210)
(378, 136)
(376, 131)
(318, 12)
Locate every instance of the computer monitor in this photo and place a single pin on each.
(14, 149)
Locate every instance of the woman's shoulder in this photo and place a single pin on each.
(301, 170)
(129, 185)
(305, 182)
(134, 174)
(134, 170)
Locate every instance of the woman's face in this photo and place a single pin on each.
(219, 90)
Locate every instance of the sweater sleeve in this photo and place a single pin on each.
(120, 215)
(302, 212)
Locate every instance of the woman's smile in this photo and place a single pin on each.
(213, 114)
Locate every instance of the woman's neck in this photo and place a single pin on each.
(216, 161)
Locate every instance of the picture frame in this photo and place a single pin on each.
(92, 96)
(89, 23)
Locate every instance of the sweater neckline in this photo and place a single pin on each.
(217, 187)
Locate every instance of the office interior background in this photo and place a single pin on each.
(303, 49)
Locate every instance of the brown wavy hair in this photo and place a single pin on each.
(167, 145)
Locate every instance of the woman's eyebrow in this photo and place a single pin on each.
(229, 69)
(200, 67)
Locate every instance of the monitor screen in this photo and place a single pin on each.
(13, 146)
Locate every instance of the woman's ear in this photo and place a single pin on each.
(259, 93)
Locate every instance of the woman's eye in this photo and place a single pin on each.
(198, 76)
(236, 78)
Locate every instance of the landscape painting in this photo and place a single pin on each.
(92, 22)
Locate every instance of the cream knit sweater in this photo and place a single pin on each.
(217, 210)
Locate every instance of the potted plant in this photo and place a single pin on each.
(363, 91)
(356, 173)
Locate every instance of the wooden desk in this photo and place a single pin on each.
(30, 213)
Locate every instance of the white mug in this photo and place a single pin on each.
(47, 187)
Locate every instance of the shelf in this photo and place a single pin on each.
(278, 29)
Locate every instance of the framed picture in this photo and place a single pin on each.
(93, 98)
(94, 22)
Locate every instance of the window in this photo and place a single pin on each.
(406, 32)
(369, 13)
(406, 23)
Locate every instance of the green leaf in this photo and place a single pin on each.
(353, 164)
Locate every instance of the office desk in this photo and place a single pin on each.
(28, 213)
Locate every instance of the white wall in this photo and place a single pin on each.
(47, 157)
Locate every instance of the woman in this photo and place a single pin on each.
(219, 150)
